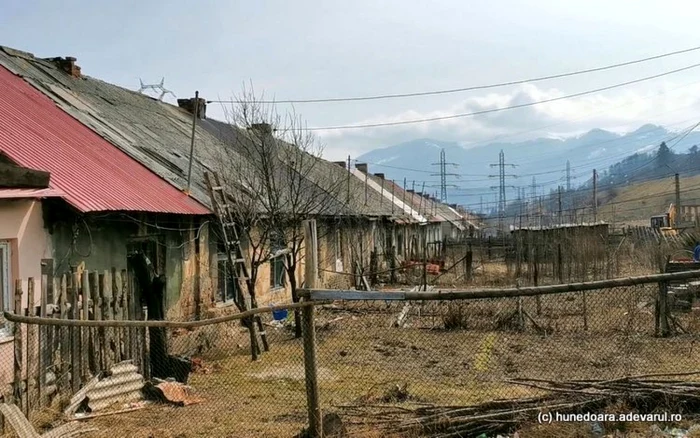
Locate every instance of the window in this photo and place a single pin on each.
(338, 251)
(5, 301)
(227, 286)
(277, 263)
(277, 272)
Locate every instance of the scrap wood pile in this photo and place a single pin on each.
(642, 394)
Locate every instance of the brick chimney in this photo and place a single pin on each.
(362, 167)
(340, 163)
(67, 64)
(189, 104)
(380, 175)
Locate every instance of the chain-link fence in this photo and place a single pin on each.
(383, 365)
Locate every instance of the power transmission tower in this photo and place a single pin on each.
(568, 176)
(443, 175)
(502, 187)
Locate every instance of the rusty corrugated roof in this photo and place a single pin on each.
(92, 173)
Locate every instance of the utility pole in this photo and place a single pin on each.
(501, 188)
(559, 202)
(403, 196)
(595, 196)
(678, 201)
(443, 175)
(568, 176)
(348, 179)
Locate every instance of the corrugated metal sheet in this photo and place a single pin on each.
(93, 174)
(123, 386)
(29, 193)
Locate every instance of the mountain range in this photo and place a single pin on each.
(474, 175)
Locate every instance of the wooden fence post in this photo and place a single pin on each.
(46, 340)
(65, 332)
(17, 333)
(309, 332)
(117, 314)
(32, 350)
(75, 335)
(85, 331)
(663, 328)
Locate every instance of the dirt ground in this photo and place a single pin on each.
(364, 361)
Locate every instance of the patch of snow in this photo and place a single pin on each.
(387, 160)
(433, 145)
(596, 153)
(646, 149)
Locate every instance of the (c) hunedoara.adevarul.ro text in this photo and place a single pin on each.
(557, 417)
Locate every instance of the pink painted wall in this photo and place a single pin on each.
(21, 223)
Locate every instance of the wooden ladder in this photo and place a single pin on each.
(234, 250)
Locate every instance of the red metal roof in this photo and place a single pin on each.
(91, 172)
(29, 193)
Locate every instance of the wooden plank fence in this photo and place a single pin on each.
(58, 360)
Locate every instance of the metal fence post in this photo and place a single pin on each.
(309, 332)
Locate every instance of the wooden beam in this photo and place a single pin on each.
(313, 403)
(331, 294)
(167, 324)
(22, 177)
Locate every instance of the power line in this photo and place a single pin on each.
(463, 89)
(596, 161)
(495, 110)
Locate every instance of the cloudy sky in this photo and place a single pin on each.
(303, 49)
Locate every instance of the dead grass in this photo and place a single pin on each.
(363, 361)
(636, 203)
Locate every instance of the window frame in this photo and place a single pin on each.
(277, 243)
(277, 263)
(5, 285)
(224, 297)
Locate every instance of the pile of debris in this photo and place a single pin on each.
(642, 394)
(126, 389)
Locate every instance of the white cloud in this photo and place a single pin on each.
(620, 111)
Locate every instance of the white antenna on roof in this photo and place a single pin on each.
(156, 87)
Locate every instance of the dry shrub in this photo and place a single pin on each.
(455, 318)
(396, 393)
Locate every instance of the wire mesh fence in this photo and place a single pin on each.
(380, 364)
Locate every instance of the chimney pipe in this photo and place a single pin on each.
(194, 104)
(67, 64)
(362, 167)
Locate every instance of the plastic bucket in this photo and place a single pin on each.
(279, 315)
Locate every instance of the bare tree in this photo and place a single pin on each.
(275, 178)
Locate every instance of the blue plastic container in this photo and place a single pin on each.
(279, 315)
